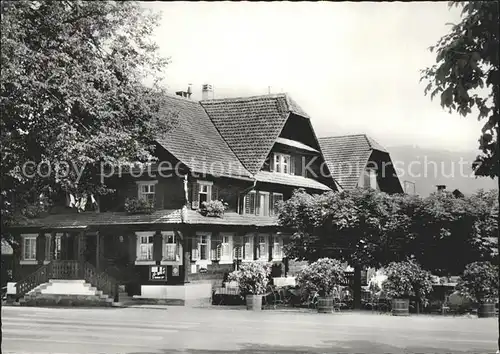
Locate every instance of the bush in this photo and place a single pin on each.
(252, 278)
(479, 282)
(406, 280)
(321, 276)
(214, 208)
(138, 206)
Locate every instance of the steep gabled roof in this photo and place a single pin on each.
(347, 156)
(250, 125)
(195, 141)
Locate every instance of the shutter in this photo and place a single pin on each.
(292, 165)
(298, 165)
(40, 248)
(195, 204)
(366, 179)
(49, 246)
(271, 162)
(248, 248)
(195, 255)
(271, 204)
(257, 203)
(215, 192)
(157, 246)
(132, 246)
(250, 203)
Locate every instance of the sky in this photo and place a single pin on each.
(353, 67)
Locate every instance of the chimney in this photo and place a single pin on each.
(207, 92)
(185, 94)
(441, 187)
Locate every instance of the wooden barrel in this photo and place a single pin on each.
(325, 305)
(401, 307)
(254, 302)
(486, 310)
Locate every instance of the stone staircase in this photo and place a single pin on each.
(62, 292)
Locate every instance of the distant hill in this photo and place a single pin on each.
(430, 167)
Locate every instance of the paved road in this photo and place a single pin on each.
(203, 331)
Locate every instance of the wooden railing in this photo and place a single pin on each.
(101, 280)
(66, 270)
(38, 277)
(69, 270)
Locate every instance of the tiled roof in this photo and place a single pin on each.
(290, 180)
(195, 141)
(347, 156)
(296, 144)
(230, 218)
(251, 125)
(83, 220)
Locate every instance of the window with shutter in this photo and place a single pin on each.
(170, 247)
(281, 163)
(195, 251)
(204, 192)
(146, 190)
(262, 204)
(203, 247)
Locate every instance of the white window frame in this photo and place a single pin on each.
(279, 163)
(250, 238)
(226, 258)
(30, 260)
(178, 248)
(208, 185)
(263, 256)
(199, 236)
(277, 241)
(266, 204)
(140, 235)
(143, 196)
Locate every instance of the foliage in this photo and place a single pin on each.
(361, 226)
(214, 208)
(479, 282)
(138, 206)
(252, 278)
(407, 280)
(72, 96)
(440, 232)
(321, 276)
(467, 74)
(450, 232)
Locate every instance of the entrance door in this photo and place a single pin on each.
(91, 249)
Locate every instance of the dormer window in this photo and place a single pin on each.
(370, 179)
(281, 163)
(147, 191)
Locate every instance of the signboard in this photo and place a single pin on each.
(175, 270)
(158, 273)
(203, 270)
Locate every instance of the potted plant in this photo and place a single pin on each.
(321, 277)
(252, 279)
(479, 283)
(213, 208)
(138, 206)
(405, 281)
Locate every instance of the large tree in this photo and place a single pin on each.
(73, 96)
(466, 75)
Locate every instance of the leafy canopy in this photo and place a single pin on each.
(72, 95)
(479, 282)
(466, 75)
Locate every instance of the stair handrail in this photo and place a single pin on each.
(102, 281)
(38, 277)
